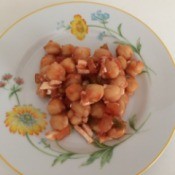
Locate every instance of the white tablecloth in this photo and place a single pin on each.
(158, 14)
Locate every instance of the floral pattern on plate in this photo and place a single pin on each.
(28, 120)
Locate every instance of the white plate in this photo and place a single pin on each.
(153, 103)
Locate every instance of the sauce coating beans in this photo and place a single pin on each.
(87, 92)
(73, 92)
(55, 71)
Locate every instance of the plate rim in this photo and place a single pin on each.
(115, 8)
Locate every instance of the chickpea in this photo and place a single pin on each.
(92, 94)
(55, 106)
(67, 50)
(116, 133)
(52, 48)
(139, 67)
(68, 65)
(132, 85)
(100, 53)
(73, 92)
(111, 68)
(73, 79)
(44, 69)
(103, 138)
(75, 120)
(112, 109)
(125, 51)
(47, 60)
(134, 68)
(105, 124)
(116, 109)
(118, 130)
(97, 110)
(82, 53)
(112, 93)
(79, 110)
(120, 81)
(56, 72)
(59, 121)
(122, 107)
(124, 98)
(122, 61)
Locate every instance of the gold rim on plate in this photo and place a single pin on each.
(61, 3)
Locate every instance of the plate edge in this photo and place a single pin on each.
(123, 11)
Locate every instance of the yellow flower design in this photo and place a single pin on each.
(79, 27)
(25, 120)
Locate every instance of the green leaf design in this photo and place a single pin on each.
(144, 122)
(62, 158)
(94, 156)
(104, 22)
(138, 45)
(119, 123)
(120, 42)
(133, 48)
(14, 89)
(144, 72)
(106, 157)
(132, 121)
(104, 154)
(120, 30)
(44, 142)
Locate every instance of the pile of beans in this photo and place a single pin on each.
(87, 92)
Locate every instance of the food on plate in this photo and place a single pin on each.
(88, 92)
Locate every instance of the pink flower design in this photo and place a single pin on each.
(2, 84)
(19, 80)
(6, 77)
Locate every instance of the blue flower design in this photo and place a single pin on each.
(101, 35)
(99, 16)
(93, 17)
